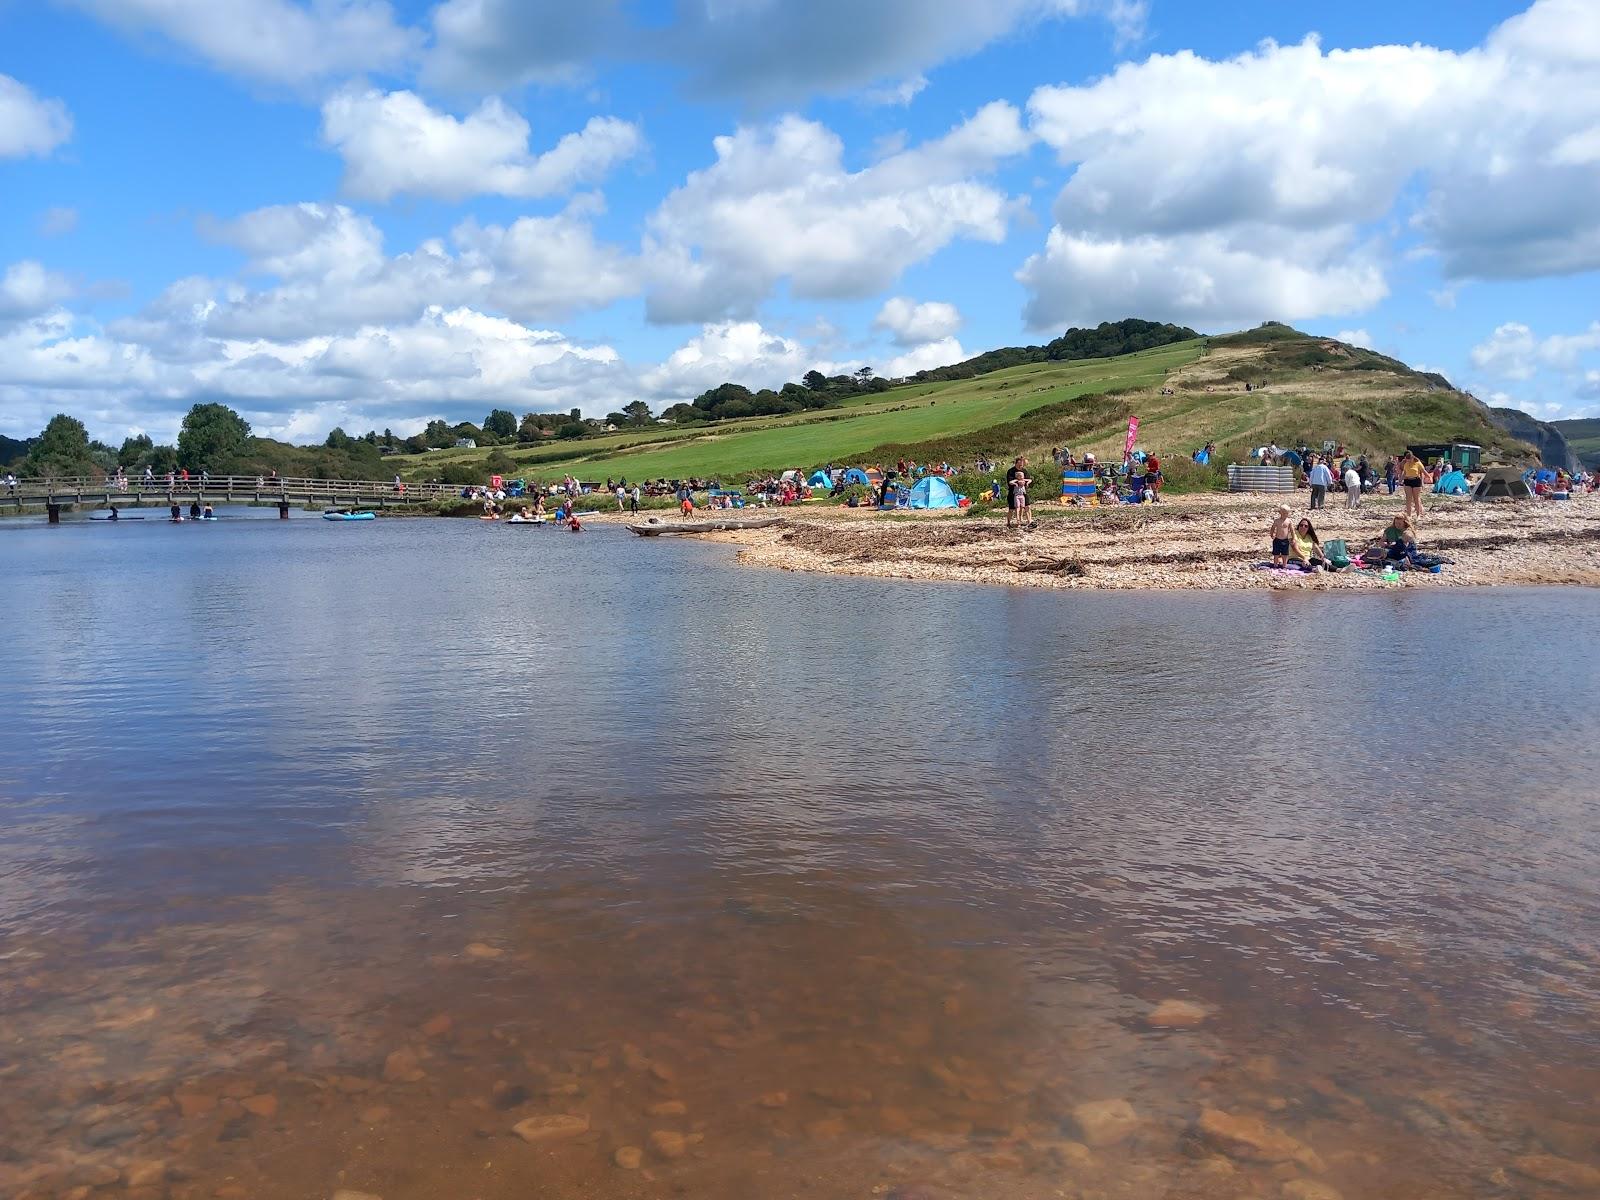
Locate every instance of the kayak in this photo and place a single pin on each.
(116, 519)
(526, 521)
(353, 516)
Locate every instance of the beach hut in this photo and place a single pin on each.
(1502, 483)
(932, 492)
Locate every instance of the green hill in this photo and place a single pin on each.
(1301, 389)
(1583, 435)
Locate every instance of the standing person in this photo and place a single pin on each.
(1017, 482)
(622, 498)
(1320, 479)
(1391, 475)
(1411, 473)
(149, 475)
(11, 483)
(1152, 477)
(1352, 486)
(633, 499)
(1282, 531)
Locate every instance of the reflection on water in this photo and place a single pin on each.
(434, 860)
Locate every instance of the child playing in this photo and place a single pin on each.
(1282, 530)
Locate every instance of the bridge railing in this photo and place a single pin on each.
(265, 486)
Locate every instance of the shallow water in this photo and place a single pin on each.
(333, 853)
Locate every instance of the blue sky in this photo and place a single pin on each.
(368, 214)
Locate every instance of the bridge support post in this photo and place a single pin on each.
(283, 510)
(53, 513)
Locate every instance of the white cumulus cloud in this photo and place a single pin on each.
(275, 41)
(779, 204)
(395, 142)
(939, 353)
(741, 352)
(913, 324)
(27, 289)
(1217, 169)
(1355, 337)
(29, 125)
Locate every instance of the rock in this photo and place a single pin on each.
(437, 1026)
(668, 1108)
(264, 1105)
(669, 1143)
(194, 1104)
(82, 1192)
(1105, 1122)
(1563, 1172)
(144, 1172)
(351, 1194)
(1071, 1154)
(371, 1116)
(402, 1066)
(552, 1127)
(773, 1099)
(1309, 1189)
(1177, 1014)
(483, 950)
(663, 1072)
(1252, 1139)
(629, 1158)
(634, 1058)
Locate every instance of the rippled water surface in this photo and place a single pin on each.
(438, 860)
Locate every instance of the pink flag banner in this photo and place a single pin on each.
(1133, 436)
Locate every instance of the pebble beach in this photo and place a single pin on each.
(1187, 542)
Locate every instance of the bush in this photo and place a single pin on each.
(499, 463)
(860, 493)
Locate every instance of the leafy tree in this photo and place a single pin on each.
(864, 374)
(879, 384)
(499, 463)
(213, 437)
(572, 429)
(501, 423)
(637, 412)
(134, 450)
(815, 380)
(416, 444)
(338, 439)
(62, 449)
(438, 435)
(163, 459)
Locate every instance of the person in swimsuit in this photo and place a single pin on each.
(1411, 475)
(1282, 531)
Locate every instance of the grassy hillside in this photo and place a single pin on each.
(912, 414)
(1583, 436)
(1303, 389)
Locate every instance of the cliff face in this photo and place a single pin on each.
(1553, 448)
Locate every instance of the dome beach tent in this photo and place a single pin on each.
(932, 492)
(820, 479)
(1451, 483)
(857, 475)
(1502, 483)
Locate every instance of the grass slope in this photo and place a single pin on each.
(913, 414)
(1304, 389)
(1583, 435)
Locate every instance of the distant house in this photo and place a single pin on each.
(466, 444)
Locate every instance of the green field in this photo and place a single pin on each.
(915, 413)
(1583, 435)
(1304, 390)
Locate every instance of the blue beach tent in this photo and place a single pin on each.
(820, 479)
(1451, 483)
(932, 492)
(857, 475)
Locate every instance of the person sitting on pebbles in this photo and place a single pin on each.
(1305, 547)
(1282, 531)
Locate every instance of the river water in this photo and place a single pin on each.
(335, 854)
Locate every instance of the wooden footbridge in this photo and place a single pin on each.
(54, 495)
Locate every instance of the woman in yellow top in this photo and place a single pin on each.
(1305, 547)
(1412, 473)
